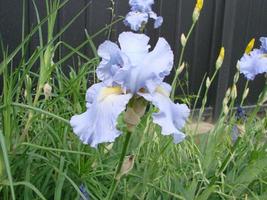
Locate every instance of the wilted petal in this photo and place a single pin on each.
(135, 20)
(253, 64)
(112, 60)
(171, 117)
(98, 123)
(134, 45)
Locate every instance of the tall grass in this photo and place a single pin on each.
(42, 159)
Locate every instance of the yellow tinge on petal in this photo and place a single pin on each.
(162, 91)
(250, 46)
(107, 91)
(199, 5)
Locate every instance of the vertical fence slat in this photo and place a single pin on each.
(75, 34)
(227, 40)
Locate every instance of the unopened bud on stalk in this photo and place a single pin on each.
(208, 82)
(127, 166)
(236, 77)
(234, 92)
(197, 10)
(181, 68)
(246, 92)
(183, 40)
(250, 46)
(28, 88)
(108, 148)
(220, 59)
(225, 109)
(47, 91)
(228, 92)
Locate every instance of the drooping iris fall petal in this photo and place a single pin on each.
(98, 123)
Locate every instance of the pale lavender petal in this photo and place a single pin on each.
(158, 22)
(134, 45)
(150, 70)
(253, 64)
(158, 19)
(141, 5)
(264, 44)
(98, 124)
(171, 117)
(112, 60)
(135, 20)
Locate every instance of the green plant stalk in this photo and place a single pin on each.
(7, 164)
(46, 66)
(204, 100)
(116, 181)
(175, 80)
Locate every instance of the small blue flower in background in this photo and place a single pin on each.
(240, 113)
(84, 192)
(140, 12)
(254, 62)
(127, 71)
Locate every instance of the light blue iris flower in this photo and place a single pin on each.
(255, 62)
(140, 12)
(264, 44)
(128, 70)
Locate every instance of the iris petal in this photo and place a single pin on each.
(141, 5)
(135, 20)
(264, 44)
(171, 117)
(253, 64)
(134, 45)
(98, 123)
(152, 68)
(112, 60)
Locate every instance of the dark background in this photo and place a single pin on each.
(231, 23)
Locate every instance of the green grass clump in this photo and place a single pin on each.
(41, 158)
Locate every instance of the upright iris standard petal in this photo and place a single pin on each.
(150, 67)
(171, 117)
(98, 123)
(253, 64)
(134, 45)
(141, 5)
(112, 60)
(141, 11)
(135, 20)
(158, 19)
(263, 44)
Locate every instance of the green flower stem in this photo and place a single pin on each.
(175, 80)
(116, 181)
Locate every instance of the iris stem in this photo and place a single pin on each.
(116, 180)
(174, 82)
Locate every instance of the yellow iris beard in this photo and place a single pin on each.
(107, 91)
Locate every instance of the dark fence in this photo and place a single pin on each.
(231, 23)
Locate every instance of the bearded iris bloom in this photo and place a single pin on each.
(130, 70)
(254, 62)
(140, 13)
